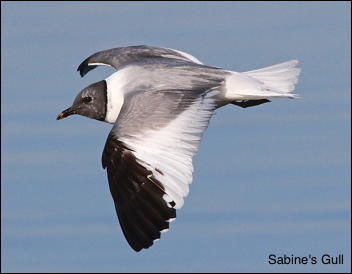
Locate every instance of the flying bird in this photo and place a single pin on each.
(160, 101)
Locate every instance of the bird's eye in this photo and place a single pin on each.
(87, 99)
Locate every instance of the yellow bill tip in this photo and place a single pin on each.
(60, 116)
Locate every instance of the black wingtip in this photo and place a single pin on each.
(84, 68)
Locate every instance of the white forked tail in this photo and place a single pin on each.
(269, 82)
(281, 77)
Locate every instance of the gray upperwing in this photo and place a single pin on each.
(143, 198)
(138, 194)
(165, 74)
(160, 89)
(152, 110)
(118, 57)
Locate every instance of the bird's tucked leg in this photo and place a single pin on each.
(250, 103)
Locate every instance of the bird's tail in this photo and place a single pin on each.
(269, 82)
(279, 79)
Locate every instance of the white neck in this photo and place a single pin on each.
(115, 96)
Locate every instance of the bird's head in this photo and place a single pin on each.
(90, 102)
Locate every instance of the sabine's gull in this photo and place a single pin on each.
(160, 102)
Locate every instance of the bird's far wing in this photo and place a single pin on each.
(119, 57)
(148, 157)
